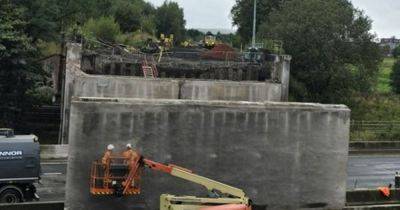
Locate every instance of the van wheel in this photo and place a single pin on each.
(10, 196)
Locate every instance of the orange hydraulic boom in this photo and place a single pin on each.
(121, 177)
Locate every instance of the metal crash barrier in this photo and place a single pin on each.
(58, 205)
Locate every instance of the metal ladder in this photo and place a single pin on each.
(134, 170)
(149, 70)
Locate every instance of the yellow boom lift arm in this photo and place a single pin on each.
(105, 182)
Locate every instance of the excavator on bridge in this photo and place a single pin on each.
(116, 175)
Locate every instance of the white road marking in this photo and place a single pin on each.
(54, 163)
(49, 174)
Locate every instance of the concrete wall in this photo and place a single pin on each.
(285, 76)
(230, 91)
(125, 87)
(72, 69)
(77, 83)
(134, 87)
(48, 152)
(286, 155)
(281, 74)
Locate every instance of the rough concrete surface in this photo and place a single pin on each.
(125, 87)
(286, 155)
(230, 91)
(79, 84)
(72, 69)
(53, 152)
(135, 87)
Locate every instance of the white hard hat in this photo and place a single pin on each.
(110, 147)
(129, 145)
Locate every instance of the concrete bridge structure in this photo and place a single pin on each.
(285, 155)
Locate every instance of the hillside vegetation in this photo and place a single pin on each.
(385, 69)
(377, 116)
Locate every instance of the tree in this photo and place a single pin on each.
(395, 77)
(194, 34)
(133, 15)
(18, 71)
(242, 13)
(333, 52)
(386, 51)
(231, 39)
(104, 28)
(396, 52)
(170, 20)
(128, 15)
(49, 19)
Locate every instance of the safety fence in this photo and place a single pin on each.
(225, 58)
(375, 130)
(195, 58)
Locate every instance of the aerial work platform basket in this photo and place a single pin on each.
(118, 176)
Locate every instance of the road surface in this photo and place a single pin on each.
(371, 171)
(364, 171)
(52, 187)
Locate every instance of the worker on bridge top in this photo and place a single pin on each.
(107, 154)
(130, 154)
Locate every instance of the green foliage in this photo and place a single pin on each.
(232, 39)
(149, 25)
(18, 71)
(49, 19)
(194, 34)
(376, 107)
(377, 110)
(41, 94)
(384, 81)
(170, 20)
(395, 77)
(48, 48)
(385, 50)
(128, 15)
(334, 55)
(43, 16)
(14, 43)
(369, 135)
(104, 28)
(242, 13)
(396, 52)
(136, 39)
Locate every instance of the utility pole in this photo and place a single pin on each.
(253, 44)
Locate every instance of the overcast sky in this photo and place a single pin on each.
(216, 14)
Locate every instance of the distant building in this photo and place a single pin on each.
(390, 44)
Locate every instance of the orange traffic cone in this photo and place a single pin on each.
(385, 191)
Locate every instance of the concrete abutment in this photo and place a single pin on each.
(285, 155)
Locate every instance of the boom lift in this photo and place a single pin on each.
(121, 177)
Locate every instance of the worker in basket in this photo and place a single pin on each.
(107, 154)
(130, 155)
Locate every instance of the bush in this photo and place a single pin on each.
(136, 39)
(395, 77)
(333, 51)
(104, 28)
(396, 52)
(41, 95)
